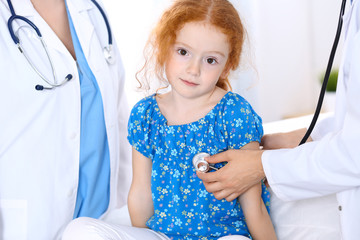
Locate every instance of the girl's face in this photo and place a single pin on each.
(197, 59)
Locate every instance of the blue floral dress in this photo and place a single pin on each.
(183, 209)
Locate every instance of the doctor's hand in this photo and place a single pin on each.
(283, 140)
(243, 170)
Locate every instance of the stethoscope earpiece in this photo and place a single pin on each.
(39, 87)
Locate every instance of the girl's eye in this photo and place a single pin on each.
(210, 60)
(182, 52)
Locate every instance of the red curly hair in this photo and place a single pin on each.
(218, 13)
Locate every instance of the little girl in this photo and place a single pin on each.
(194, 47)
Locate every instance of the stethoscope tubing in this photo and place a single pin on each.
(107, 50)
(11, 30)
(327, 74)
(105, 20)
(14, 16)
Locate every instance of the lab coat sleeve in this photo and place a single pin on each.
(327, 165)
(322, 128)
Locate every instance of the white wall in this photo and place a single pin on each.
(293, 42)
(132, 21)
(290, 41)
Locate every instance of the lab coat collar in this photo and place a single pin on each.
(84, 29)
(81, 5)
(78, 11)
(26, 9)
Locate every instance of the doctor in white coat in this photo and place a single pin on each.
(328, 164)
(43, 159)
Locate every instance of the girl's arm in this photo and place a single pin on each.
(256, 215)
(140, 202)
(284, 140)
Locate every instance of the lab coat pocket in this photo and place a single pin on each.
(13, 219)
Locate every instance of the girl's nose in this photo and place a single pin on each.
(194, 68)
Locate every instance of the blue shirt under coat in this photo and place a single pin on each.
(94, 173)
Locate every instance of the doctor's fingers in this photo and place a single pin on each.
(220, 180)
(213, 187)
(221, 191)
(209, 176)
(227, 195)
(225, 156)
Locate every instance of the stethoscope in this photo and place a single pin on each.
(108, 51)
(327, 74)
(199, 162)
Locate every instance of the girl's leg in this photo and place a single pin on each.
(93, 229)
(234, 237)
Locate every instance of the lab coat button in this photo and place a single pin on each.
(340, 208)
(73, 136)
(71, 193)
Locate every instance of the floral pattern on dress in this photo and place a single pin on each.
(183, 208)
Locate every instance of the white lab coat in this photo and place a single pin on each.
(40, 130)
(331, 163)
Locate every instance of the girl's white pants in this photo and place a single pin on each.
(94, 229)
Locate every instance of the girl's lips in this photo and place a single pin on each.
(189, 83)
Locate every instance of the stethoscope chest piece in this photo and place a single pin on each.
(200, 164)
(109, 55)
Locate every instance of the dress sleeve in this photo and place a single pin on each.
(139, 127)
(242, 124)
